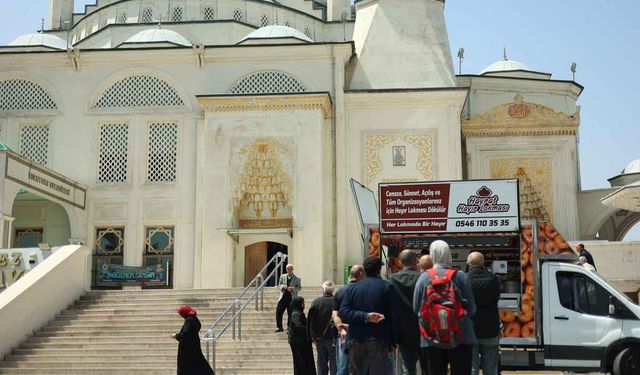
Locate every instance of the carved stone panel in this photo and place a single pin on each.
(262, 181)
(398, 157)
(535, 184)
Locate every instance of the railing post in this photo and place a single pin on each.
(233, 314)
(213, 355)
(257, 286)
(239, 322)
(261, 299)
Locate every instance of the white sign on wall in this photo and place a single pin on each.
(44, 181)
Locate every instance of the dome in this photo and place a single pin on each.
(158, 35)
(39, 40)
(633, 167)
(505, 66)
(277, 32)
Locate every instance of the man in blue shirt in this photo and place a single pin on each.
(367, 306)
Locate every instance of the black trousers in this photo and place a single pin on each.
(459, 359)
(283, 304)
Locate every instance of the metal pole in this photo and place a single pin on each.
(168, 273)
(213, 354)
(239, 323)
(233, 328)
(257, 286)
(262, 299)
(208, 354)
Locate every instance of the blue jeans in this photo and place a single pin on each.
(342, 361)
(486, 355)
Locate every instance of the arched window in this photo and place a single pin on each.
(139, 91)
(147, 15)
(23, 95)
(267, 82)
(208, 13)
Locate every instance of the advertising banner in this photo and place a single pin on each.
(118, 275)
(449, 207)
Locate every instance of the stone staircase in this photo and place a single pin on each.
(127, 332)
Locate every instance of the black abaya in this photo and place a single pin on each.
(190, 358)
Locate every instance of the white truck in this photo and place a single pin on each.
(584, 324)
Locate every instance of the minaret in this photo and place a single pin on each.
(401, 44)
(60, 14)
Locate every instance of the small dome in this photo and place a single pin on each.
(159, 35)
(633, 167)
(505, 66)
(277, 32)
(39, 40)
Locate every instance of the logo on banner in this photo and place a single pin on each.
(483, 202)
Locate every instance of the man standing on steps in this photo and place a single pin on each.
(342, 362)
(322, 331)
(289, 285)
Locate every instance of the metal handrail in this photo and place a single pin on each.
(242, 293)
(210, 338)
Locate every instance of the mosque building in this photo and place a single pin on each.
(211, 134)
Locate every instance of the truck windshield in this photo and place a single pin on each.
(605, 281)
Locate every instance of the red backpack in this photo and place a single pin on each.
(441, 311)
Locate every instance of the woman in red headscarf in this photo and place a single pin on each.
(190, 358)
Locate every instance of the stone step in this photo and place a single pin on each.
(89, 354)
(138, 363)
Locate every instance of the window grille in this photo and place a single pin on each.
(23, 95)
(34, 143)
(264, 20)
(110, 241)
(307, 32)
(122, 17)
(28, 237)
(267, 82)
(177, 13)
(163, 152)
(209, 13)
(237, 15)
(113, 152)
(159, 240)
(147, 15)
(139, 91)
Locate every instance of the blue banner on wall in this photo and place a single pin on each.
(118, 275)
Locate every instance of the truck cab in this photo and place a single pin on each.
(587, 325)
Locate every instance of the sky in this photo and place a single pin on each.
(601, 37)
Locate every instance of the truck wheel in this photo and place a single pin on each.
(627, 362)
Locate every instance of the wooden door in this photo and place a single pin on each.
(255, 257)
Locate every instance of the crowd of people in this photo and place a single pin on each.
(430, 317)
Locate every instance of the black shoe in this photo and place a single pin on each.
(279, 330)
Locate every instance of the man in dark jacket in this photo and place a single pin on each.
(405, 320)
(322, 331)
(367, 306)
(486, 321)
(342, 363)
(584, 253)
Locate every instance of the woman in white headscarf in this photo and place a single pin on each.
(459, 358)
